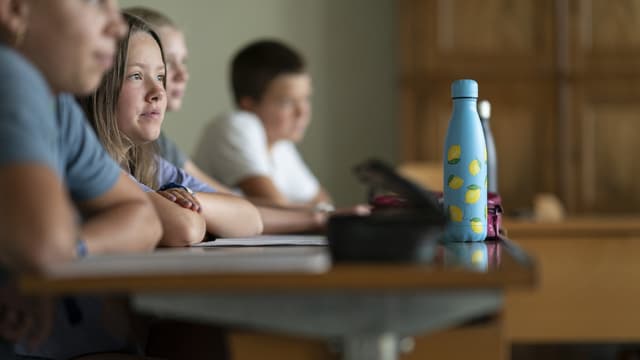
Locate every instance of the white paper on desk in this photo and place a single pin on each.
(200, 260)
(269, 240)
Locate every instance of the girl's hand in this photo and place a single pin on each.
(182, 197)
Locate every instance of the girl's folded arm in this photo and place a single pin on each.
(229, 215)
(182, 227)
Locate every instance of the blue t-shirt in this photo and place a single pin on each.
(38, 127)
(169, 151)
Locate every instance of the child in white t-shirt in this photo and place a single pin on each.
(253, 149)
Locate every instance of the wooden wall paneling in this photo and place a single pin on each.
(498, 37)
(607, 147)
(606, 37)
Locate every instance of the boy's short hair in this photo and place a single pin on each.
(257, 64)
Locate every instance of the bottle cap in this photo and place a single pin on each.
(484, 109)
(465, 88)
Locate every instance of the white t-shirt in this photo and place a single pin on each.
(233, 147)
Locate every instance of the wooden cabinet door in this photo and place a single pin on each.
(605, 38)
(606, 146)
(481, 37)
(605, 93)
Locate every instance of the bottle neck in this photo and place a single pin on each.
(465, 104)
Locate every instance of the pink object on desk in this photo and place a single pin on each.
(494, 209)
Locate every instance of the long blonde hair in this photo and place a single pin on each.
(101, 109)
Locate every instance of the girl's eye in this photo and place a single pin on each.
(161, 77)
(135, 76)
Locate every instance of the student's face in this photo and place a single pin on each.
(285, 107)
(175, 51)
(72, 41)
(142, 99)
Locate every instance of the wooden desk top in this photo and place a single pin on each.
(463, 265)
(576, 226)
(588, 292)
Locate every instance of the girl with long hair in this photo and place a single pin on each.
(127, 112)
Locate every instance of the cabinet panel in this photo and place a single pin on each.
(607, 37)
(607, 147)
(483, 36)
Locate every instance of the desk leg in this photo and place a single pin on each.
(370, 347)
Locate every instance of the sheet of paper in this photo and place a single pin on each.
(269, 240)
(200, 260)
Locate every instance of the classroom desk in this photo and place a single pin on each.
(585, 226)
(366, 308)
(588, 292)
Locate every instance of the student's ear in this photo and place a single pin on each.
(246, 103)
(14, 20)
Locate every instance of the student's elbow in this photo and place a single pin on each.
(188, 230)
(252, 224)
(154, 229)
(148, 223)
(258, 224)
(40, 250)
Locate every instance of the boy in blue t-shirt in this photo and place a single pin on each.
(63, 196)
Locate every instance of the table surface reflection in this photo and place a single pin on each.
(489, 264)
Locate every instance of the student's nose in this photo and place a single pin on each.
(156, 93)
(182, 73)
(302, 109)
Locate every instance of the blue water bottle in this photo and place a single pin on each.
(465, 167)
(473, 256)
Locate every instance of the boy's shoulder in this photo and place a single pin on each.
(240, 117)
(239, 121)
(18, 73)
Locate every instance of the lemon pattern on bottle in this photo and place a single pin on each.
(476, 225)
(464, 166)
(453, 155)
(474, 167)
(472, 195)
(470, 185)
(455, 182)
(455, 213)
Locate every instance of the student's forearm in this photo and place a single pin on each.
(322, 197)
(128, 227)
(282, 221)
(182, 227)
(37, 219)
(262, 191)
(229, 215)
(121, 220)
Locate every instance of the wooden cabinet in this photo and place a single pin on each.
(563, 77)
